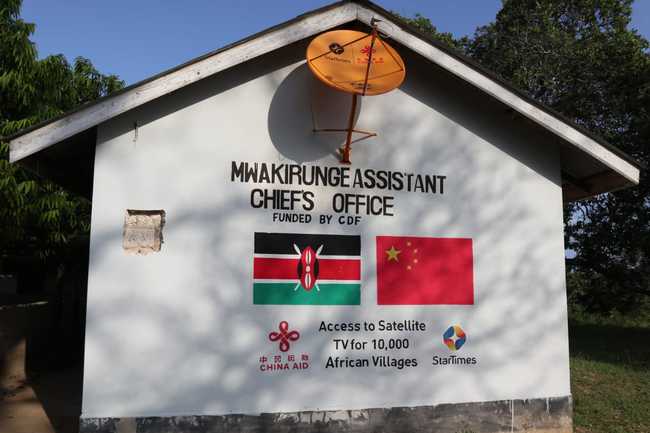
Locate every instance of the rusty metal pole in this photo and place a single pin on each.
(345, 154)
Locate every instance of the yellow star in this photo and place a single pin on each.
(392, 254)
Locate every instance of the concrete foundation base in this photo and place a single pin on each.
(542, 415)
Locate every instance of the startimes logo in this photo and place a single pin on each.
(454, 338)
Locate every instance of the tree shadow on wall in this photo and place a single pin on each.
(193, 373)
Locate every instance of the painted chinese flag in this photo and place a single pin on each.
(424, 271)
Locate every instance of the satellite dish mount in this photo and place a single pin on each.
(358, 63)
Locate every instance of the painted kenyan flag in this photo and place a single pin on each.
(305, 269)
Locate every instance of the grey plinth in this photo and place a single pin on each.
(541, 415)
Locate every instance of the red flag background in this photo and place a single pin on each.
(424, 271)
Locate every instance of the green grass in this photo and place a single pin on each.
(610, 374)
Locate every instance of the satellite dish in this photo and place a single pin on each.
(357, 63)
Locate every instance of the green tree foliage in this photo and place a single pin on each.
(38, 218)
(424, 25)
(581, 58)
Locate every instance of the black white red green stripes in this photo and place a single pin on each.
(306, 269)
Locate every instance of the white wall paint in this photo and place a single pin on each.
(176, 332)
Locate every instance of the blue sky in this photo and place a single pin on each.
(137, 39)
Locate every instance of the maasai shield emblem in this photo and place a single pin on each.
(308, 267)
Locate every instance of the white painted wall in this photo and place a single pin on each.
(176, 332)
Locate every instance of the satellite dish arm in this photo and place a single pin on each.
(372, 46)
(345, 152)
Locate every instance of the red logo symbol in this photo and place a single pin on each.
(366, 50)
(369, 56)
(284, 336)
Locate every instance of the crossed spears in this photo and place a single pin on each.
(295, 247)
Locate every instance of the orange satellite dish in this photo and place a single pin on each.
(357, 63)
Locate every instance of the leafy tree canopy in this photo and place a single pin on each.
(37, 217)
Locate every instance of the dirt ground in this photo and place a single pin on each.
(40, 384)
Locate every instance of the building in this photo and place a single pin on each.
(212, 195)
